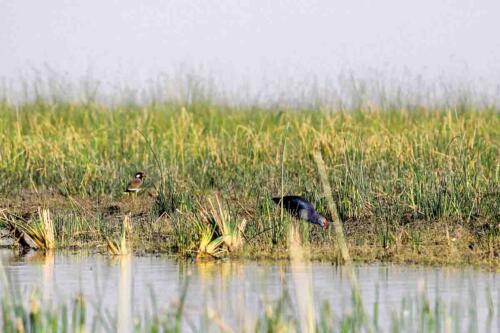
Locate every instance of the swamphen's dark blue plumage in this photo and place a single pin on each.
(302, 209)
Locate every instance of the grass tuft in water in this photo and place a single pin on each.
(40, 232)
(120, 247)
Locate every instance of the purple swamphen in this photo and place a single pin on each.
(302, 209)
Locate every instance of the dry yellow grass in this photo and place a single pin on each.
(119, 248)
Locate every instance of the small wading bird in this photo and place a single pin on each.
(135, 185)
(302, 209)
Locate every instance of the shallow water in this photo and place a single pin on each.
(239, 290)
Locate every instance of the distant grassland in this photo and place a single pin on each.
(419, 185)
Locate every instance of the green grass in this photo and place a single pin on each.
(418, 185)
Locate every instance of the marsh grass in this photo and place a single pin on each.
(121, 246)
(398, 176)
(208, 245)
(230, 231)
(41, 232)
(218, 232)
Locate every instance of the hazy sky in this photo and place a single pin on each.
(254, 41)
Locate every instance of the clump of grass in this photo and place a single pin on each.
(209, 246)
(167, 199)
(229, 231)
(120, 247)
(40, 232)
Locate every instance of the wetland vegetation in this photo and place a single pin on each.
(411, 184)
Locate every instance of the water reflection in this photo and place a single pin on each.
(124, 315)
(232, 293)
